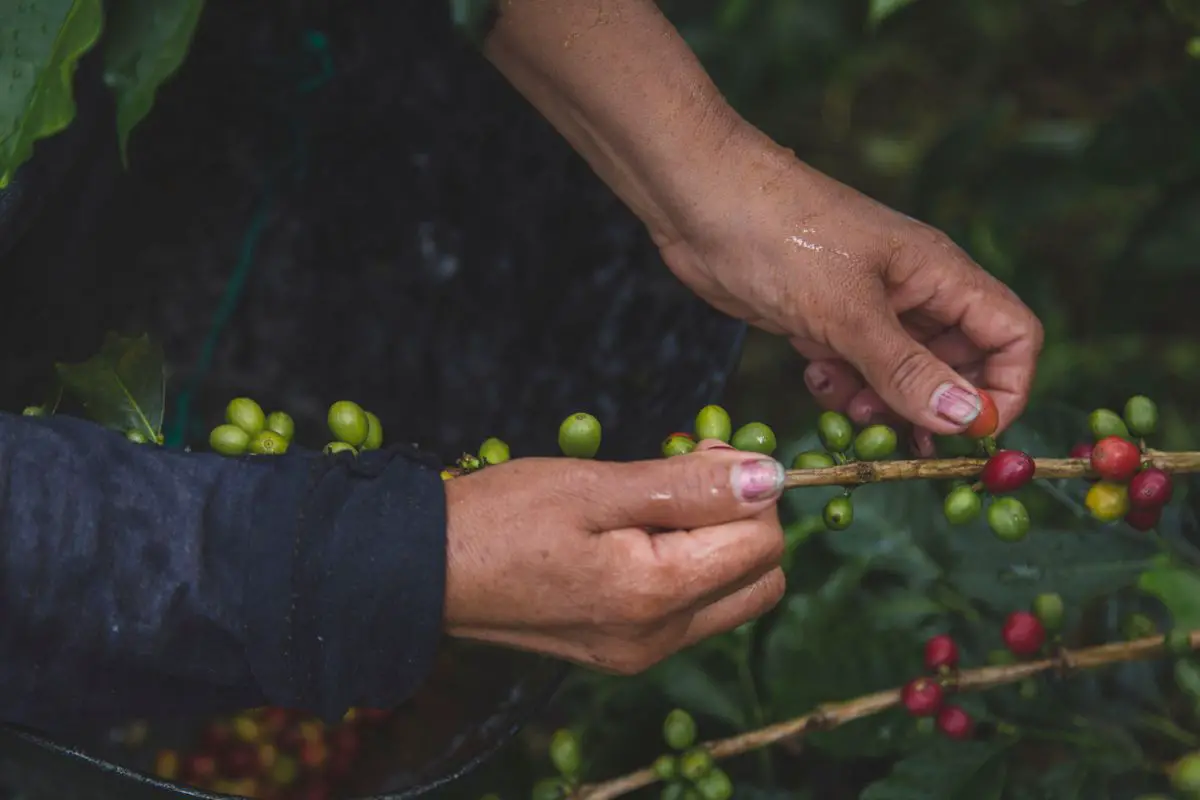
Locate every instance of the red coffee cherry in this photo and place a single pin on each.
(955, 723)
(1115, 459)
(1143, 519)
(922, 697)
(988, 420)
(1082, 450)
(1023, 633)
(940, 651)
(1150, 488)
(1007, 471)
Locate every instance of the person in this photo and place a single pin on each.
(141, 581)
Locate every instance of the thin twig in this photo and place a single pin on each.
(833, 715)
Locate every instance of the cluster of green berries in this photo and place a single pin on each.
(714, 422)
(1125, 487)
(248, 430)
(689, 773)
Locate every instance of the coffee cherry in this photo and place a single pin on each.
(695, 764)
(839, 513)
(1179, 642)
(1138, 626)
(494, 451)
(940, 651)
(1150, 488)
(1048, 608)
(677, 444)
(229, 440)
(1023, 633)
(812, 459)
(755, 437)
(282, 423)
(374, 439)
(268, 443)
(246, 414)
(166, 765)
(565, 753)
(348, 422)
(677, 791)
(1082, 450)
(875, 443)
(1104, 423)
(1141, 415)
(1007, 471)
(549, 789)
(1143, 519)
(199, 768)
(954, 446)
(579, 436)
(679, 730)
(1107, 501)
(1185, 774)
(666, 767)
(988, 420)
(136, 436)
(342, 447)
(1008, 518)
(955, 723)
(715, 785)
(835, 431)
(1115, 459)
(712, 422)
(962, 505)
(922, 697)
(34, 411)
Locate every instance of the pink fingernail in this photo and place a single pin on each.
(758, 480)
(816, 379)
(721, 446)
(956, 404)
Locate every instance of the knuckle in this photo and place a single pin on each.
(908, 370)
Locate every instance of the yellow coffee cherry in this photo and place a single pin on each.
(1108, 501)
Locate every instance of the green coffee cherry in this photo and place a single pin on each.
(282, 423)
(136, 436)
(1179, 642)
(494, 451)
(713, 423)
(1185, 774)
(875, 443)
(755, 437)
(835, 431)
(579, 436)
(954, 446)
(1138, 626)
(677, 445)
(374, 433)
(838, 513)
(679, 730)
(348, 422)
(268, 443)
(666, 767)
(1141, 415)
(339, 447)
(1104, 422)
(674, 791)
(34, 411)
(962, 505)
(549, 789)
(1008, 518)
(565, 753)
(229, 440)
(715, 785)
(1001, 658)
(812, 459)
(246, 414)
(695, 764)
(1048, 608)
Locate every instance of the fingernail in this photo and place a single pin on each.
(758, 480)
(956, 404)
(817, 379)
(721, 446)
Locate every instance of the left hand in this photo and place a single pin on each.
(893, 316)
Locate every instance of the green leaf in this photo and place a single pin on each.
(947, 771)
(1179, 591)
(880, 10)
(40, 46)
(1187, 677)
(122, 387)
(147, 42)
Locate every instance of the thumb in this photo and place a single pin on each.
(705, 487)
(908, 377)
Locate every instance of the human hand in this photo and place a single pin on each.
(891, 314)
(555, 556)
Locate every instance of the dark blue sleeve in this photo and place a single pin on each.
(140, 581)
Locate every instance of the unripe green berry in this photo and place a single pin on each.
(246, 414)
(565, 753)
(1105, 422)
(1141, 415)
(875, 443)
(835, 431)
(1138, 626)
(282, 423)
(549, 789)
(666, 767)
(34, 411)
(136, 436)
(962, 505)
(1179, 642)
(679, 729)
(268, 443)
(348, 422)
(674, 791)
(339, 447)
(812, 459)
(838, 513)
(229, 440)
(579, 436)
(1185, 774)
(1048, 608)
(677, 445)
(1008, 518)
(374, 433)
(1001, 658)
(713, 422)
(695, 764)
(755, 437)
(715, 785)
(954, 446)
(494, 451)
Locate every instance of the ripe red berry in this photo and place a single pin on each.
(955, 723)
(922, 697)
(1082, 450)
(940, 651)
(1150, 488)
(1007, 471)
(1143, 519)
(1115, 459)
(988, 420)
(199, 768)
(1023, 633)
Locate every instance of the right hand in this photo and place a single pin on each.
(555, 555)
